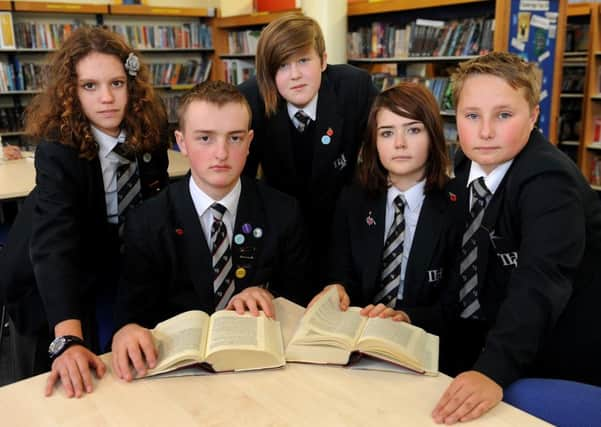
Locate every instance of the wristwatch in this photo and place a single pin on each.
(60, 344)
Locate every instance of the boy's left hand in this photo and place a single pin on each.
(380, 310)
(252, 299)
(470, 395)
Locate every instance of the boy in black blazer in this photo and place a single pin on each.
(176, 259)
(310, 160)
(528, 284)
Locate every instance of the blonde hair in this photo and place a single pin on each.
(519, 74)
(280, 40)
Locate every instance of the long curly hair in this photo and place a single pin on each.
(56, 113)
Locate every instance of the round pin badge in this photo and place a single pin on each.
(240, 273)
(247, 228)
(239, 239)
(147, 157)
(258, 232)
(325, 140)
(330, 132)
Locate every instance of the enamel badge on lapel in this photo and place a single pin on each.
(452, 197)
(327, 138)
(179, 231)
(258, 233)
(239, 239)
(247, 228)
(147, 157)
(370, 220)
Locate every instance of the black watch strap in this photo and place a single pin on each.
(62, 343)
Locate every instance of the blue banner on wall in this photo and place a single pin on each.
(533, 36)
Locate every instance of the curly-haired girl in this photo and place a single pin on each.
(102, 150)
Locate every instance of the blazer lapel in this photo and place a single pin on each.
(422, 249)
(328, 133)
(278, 131)
(372, 221)
(190, 241)
(249, 235)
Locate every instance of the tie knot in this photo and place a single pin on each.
(218, 211)
(302, 117)
(479, 189)
(123, 151)
(399, 203)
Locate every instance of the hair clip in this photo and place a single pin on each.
(132, 64)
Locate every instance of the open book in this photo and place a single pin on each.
(329, 335)
(224, 341)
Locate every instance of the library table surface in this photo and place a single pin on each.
(297, 394)
(17, 177)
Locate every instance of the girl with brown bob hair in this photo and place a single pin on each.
(102, 149)
(391, 239)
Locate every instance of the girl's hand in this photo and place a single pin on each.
(345, 301)
(385, 312)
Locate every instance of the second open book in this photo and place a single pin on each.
(327, 334)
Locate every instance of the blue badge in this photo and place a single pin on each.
(247, 228)
(325, 140)
(258, 232)
(239, 239)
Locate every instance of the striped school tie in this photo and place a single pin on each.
(303, 119)
(128, 184)
(223, 283)
(392, 256)
(468, 268)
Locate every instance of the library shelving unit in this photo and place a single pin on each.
(430, 64)
(590, 148)
(25, 58)
(235, 63)
(176, 43)
(575, 77)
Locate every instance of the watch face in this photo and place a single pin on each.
(56, 345)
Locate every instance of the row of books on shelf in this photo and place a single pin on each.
(189, 35)
(181, 73)
(243, 42)
(439, 86)
(11, 119)
(171, 101)
(15, 76)
(573, 80)
(577, 37)
(32, 35)
(422, 37)
(238, 70)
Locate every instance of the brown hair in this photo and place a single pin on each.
(414, 101)
(281, 39)
(56, 113)
(214, 92)
(519, 74)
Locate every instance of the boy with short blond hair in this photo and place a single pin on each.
(211, 241)
(527, 284)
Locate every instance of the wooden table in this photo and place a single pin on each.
(17, 177)
(303, 395)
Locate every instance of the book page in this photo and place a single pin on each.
(180, 339)
(242, 342)
(400, 342)
(324, 321)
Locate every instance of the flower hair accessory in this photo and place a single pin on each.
(132, 64)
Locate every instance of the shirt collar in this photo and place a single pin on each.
(105, 142)
(310, 109)
(202, 201)
(493, 179)
(414, 196)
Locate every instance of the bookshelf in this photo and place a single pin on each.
(590, 142)
(180, 51)
(233, 64)
(427, 40)
(572, 96)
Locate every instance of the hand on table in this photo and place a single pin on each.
(469, 396)
(72, 368)
(133, 344)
